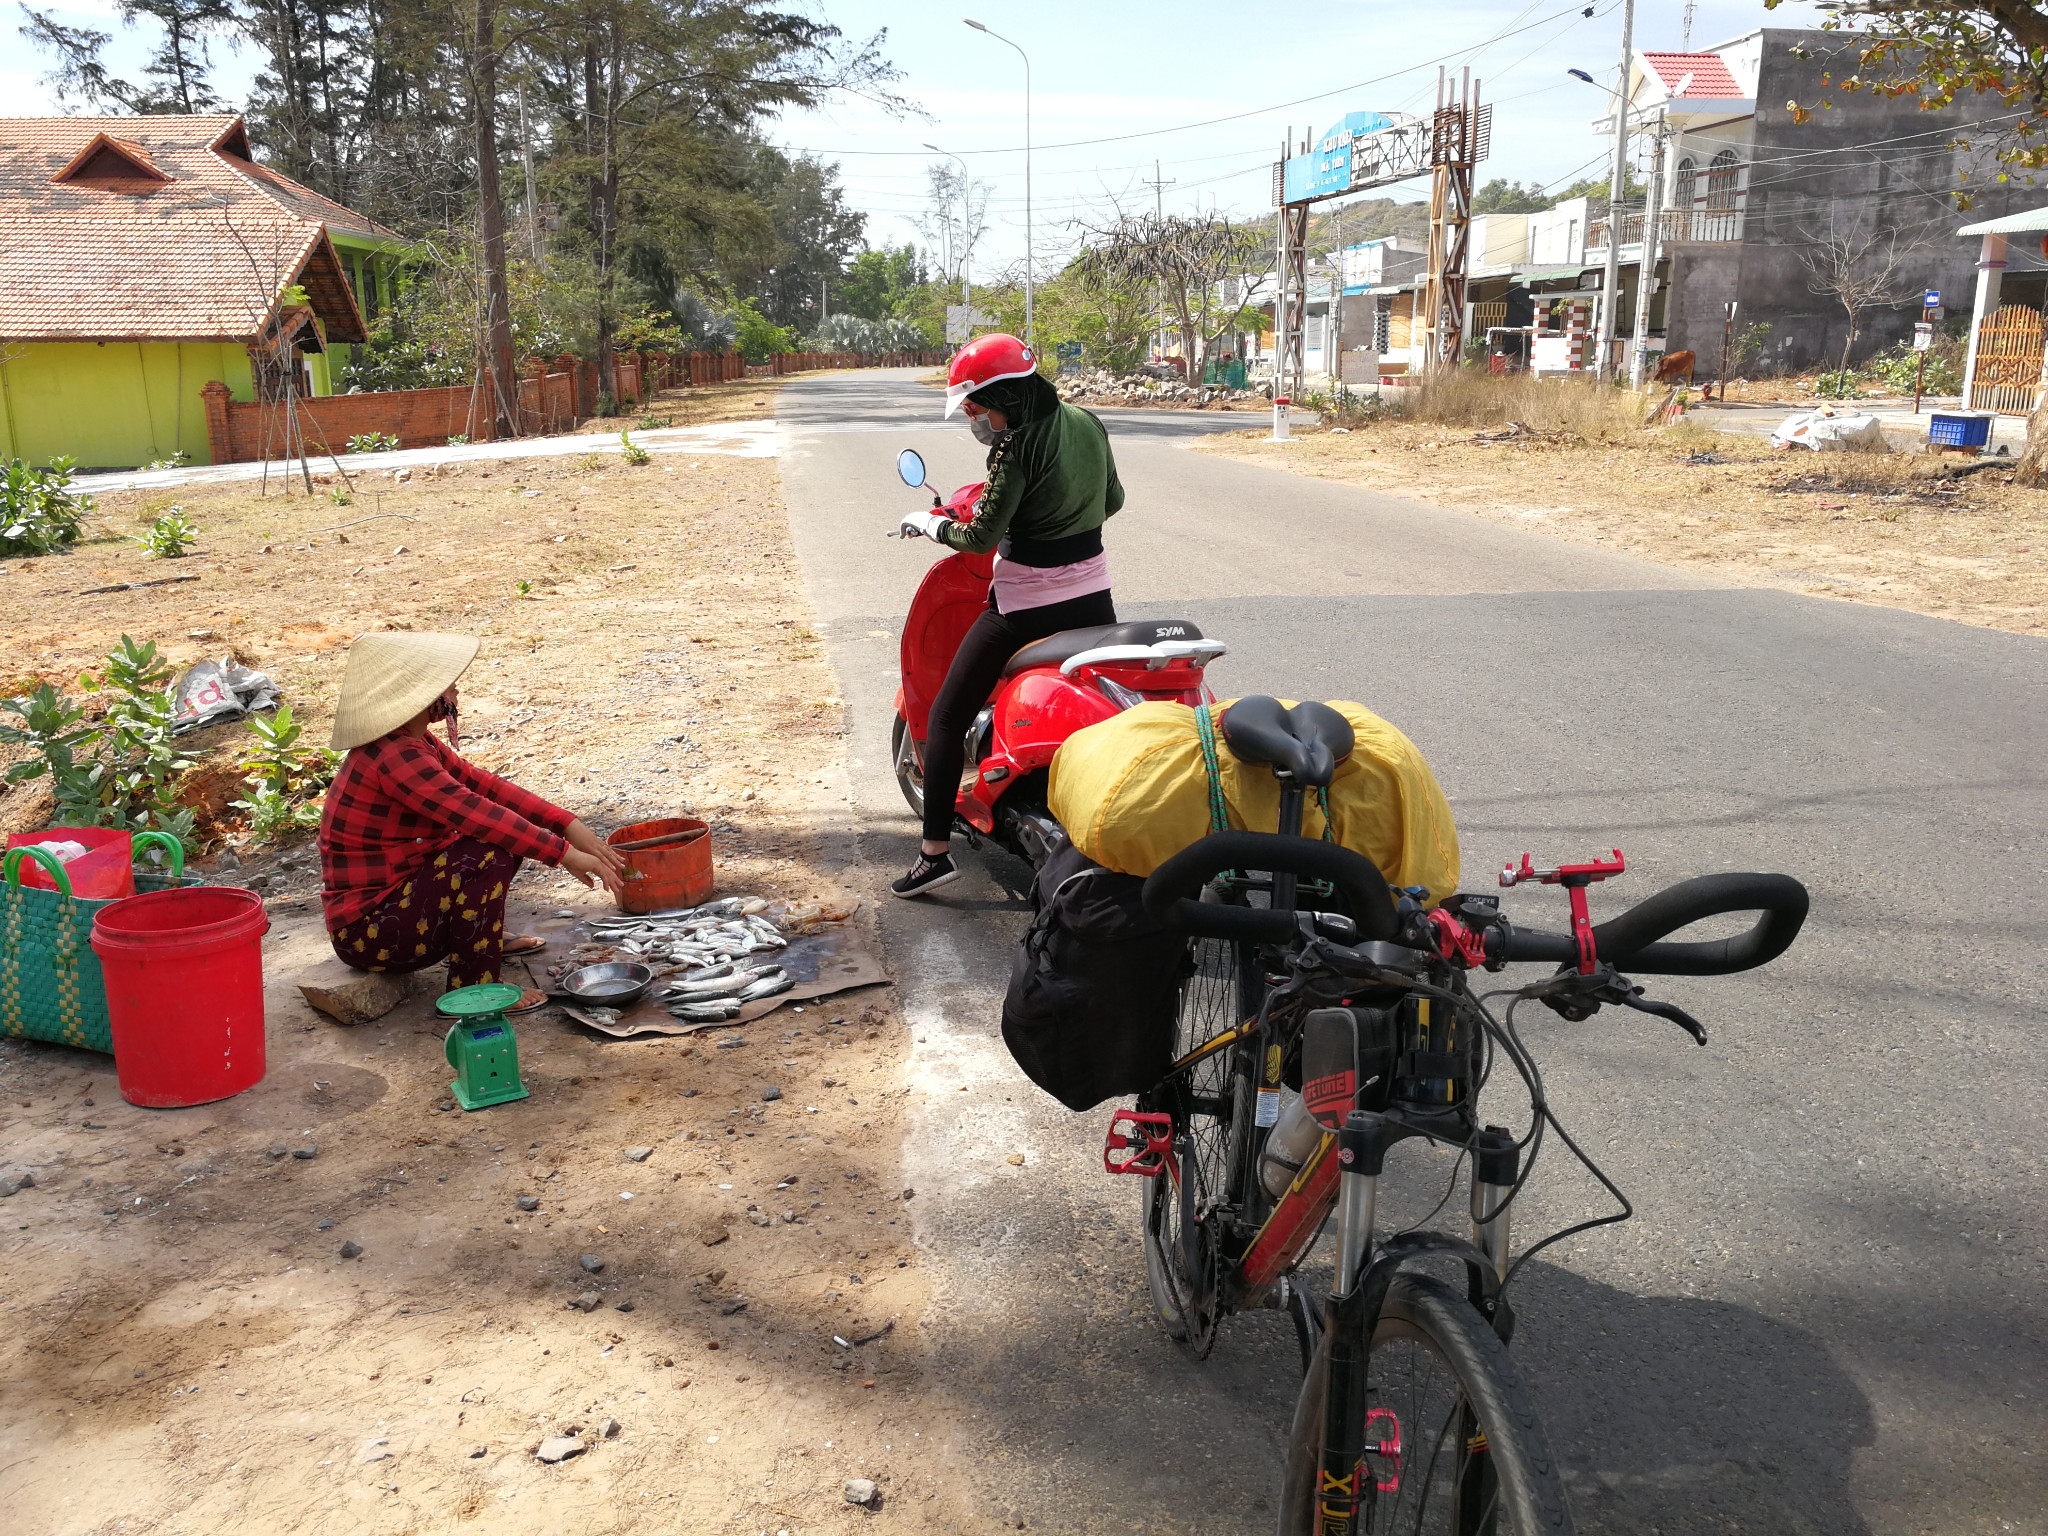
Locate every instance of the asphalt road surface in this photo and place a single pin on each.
(1827, 1314)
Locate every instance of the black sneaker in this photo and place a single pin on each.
(927, 874)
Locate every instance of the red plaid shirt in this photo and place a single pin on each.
(400, 800)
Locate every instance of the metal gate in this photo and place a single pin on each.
(2009, 361)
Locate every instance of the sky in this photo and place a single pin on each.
(1119, 86)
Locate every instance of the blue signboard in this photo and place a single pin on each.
(1326, 170)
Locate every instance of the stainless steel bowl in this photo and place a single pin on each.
(615, 984)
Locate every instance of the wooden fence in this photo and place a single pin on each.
(2009, 362)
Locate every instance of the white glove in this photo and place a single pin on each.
(926, 523)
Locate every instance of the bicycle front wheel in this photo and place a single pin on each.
(1453, 1444)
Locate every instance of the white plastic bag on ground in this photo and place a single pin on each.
(1831, 430)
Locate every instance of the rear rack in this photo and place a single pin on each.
(1164, 653)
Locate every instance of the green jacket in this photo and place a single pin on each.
(1050, 483)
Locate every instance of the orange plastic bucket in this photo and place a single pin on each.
(676, 876)
(184, 976)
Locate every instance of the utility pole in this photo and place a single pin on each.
(1280, 259)
(1617, 189)
(532, 191)
(1646, 269)
(1159, 187)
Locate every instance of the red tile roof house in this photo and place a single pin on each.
(143, 259)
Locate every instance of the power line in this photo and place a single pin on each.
(1234, 117)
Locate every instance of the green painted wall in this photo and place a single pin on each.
(112, 406)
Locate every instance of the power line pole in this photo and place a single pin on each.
(1159, 187)
(1617, 189)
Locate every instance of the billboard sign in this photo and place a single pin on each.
(1326, 170)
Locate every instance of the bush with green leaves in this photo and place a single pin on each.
(458, 439)
(39, 512)
(1897, 366)
(121, 770)
(757, 337)
(178, 460)
(170, 536)
(286, 781)
(633, 452)
(851, 333)
(1838, 384)
(372, 442)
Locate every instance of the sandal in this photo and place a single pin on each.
(524, 944)
(529, 1001)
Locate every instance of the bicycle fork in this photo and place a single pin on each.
(1353, 1430)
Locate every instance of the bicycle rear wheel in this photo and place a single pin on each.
(1453, 1444)
(1208, 1101)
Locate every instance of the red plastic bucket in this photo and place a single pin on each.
(184, 976)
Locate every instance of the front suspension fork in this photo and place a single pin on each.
(1351, 1427)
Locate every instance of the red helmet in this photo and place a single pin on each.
(983, 361)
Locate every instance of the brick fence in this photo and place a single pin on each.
(554, 396)
(238, 432)
(803, 362)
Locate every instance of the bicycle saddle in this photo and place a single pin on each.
(1307, 741)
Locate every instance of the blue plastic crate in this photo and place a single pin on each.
(1959, 429)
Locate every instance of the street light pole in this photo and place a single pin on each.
(1617, 190)
(966, 244)
(1030, 336)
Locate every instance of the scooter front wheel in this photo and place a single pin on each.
(909, 771)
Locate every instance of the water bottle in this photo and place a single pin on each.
(1293, 1138)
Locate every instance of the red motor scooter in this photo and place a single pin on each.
(1049, 689)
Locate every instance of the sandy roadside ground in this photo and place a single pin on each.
(188, 1350)
(1856, 527)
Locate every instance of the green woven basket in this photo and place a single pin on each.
(51, 986)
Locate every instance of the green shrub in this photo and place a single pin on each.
(1896, 366)
(458, 440)
(177, 460)
(119, 771)
(170, 536)
(633, 452)
(39, 512)
(372, 442)
(757, 337)
(286, 781)
(1838, 385)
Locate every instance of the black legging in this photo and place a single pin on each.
(992, 640)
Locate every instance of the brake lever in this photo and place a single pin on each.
(1634, 998)
(1578, 997)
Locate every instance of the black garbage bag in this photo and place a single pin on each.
(1095, 986)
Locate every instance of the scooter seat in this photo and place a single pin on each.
(1068, 643)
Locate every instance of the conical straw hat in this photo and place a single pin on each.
(392, 676)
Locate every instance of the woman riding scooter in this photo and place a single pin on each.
(1051, 486)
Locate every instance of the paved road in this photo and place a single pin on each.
(1827, 1315)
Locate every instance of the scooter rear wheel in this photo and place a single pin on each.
(909, 771)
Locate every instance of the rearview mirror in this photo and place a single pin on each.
(910, 465)
(1329, 1066)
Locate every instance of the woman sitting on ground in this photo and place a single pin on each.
(418, 847)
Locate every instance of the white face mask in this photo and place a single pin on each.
(984, 433)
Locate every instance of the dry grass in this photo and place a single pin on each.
(695, 405)
(1464, 398)
(1886, 529)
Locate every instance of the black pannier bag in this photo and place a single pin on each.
(1095, 986)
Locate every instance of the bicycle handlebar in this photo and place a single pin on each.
(1632, 940)
(1171, 890)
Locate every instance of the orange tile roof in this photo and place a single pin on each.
(203, 255)
(1709, 71)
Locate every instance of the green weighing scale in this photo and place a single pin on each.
(481, 1046)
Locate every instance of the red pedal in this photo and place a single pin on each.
(1153, 1139)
